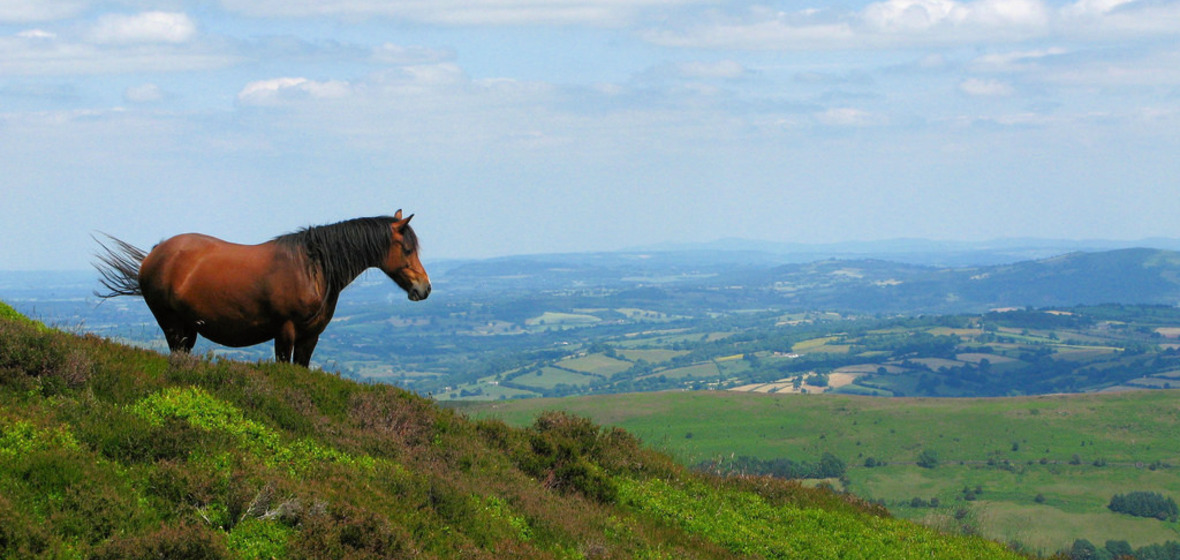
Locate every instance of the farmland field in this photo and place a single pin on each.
(1074, 452)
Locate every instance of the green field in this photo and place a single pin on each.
(1013, 449)
(596, 364)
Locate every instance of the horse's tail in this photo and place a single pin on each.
(119, 268)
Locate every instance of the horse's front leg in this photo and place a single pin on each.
(304, 348)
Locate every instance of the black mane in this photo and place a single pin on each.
(343, 250)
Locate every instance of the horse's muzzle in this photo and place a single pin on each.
(419, 293)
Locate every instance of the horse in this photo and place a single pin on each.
(285, 289)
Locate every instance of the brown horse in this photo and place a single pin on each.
(285, 289)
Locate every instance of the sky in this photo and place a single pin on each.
(532, 126)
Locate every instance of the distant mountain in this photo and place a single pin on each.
(1129, 276)
(916, 251)
(723, 280)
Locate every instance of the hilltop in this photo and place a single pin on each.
(108, 451)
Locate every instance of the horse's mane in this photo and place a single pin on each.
(343, 250)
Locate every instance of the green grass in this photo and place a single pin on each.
(1129, 431)
(651, 355)
(597, 364)
(551, 377)
(113, 452)
(704, 371)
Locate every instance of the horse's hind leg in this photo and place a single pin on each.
(180, 334)
(285, 343)
(290, 346)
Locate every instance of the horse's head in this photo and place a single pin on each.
(401, 263)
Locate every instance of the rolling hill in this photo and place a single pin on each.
(1038, 471)
(1127, 276)
(108, 451)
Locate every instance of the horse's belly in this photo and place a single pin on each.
(233, 333)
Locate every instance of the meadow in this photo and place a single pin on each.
(1038, 471)
(114, 452)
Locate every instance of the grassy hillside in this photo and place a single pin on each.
(107, 451)
(1039, 470)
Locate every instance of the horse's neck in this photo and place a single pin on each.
(340, 279)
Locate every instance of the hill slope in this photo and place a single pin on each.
(112, 452)
(1074, 451)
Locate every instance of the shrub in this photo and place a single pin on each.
(563, 450)
(20, 536)
(927, 459)
(255, 539)
(35, 357)
(186, 541)
(347, 533)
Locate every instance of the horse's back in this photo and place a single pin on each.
(189, 257)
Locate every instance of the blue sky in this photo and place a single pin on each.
(523, 126)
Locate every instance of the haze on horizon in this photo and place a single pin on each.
(526, 126)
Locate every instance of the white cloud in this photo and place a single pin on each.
(986, 88)
(1015, 60)
(1089, 8)
(913, 15)
(146, 27)
(779, 32)
(43, 53)
(25, 11)
(907, 23)
(36, 34)
(464, 12)
(269, 92)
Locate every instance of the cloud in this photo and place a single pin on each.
(27, 11)
(278, 90)
(986, 88)
(922, 15)
(37, 52)
(464, 12)
(777, 33)
(146, 27)
(1015, 60)
(907, 23)
(1089, 8)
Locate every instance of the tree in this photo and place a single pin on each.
(1119, 549)
(1145, 504)
(831, 466)
(927, 459)
(1083, 549)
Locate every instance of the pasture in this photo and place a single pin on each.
(1073, 451)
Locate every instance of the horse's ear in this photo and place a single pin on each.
(398, 215)
(401, 224)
